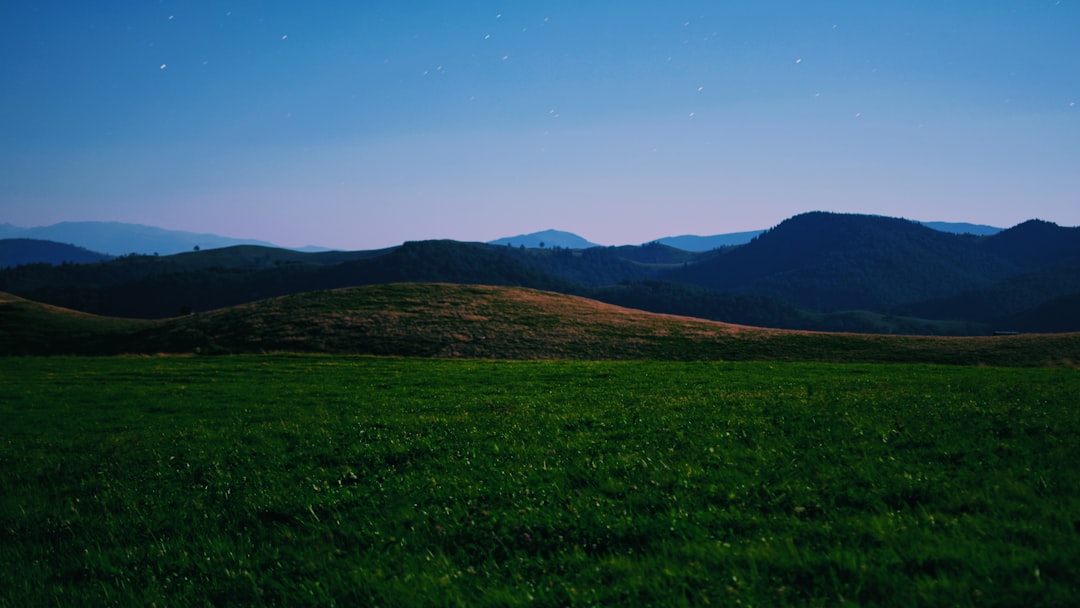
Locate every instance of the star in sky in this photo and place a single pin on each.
(360, 125)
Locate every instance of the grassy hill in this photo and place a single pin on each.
(28, 327)
(450, 320)
(816, 271)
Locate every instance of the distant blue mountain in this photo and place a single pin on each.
(692, 242)
(695, 243)
(117, 238)
(546, 238)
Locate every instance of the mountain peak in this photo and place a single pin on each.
(546, 238)
(1036, 224)
(1038, 242)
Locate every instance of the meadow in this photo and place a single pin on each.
(338, 480)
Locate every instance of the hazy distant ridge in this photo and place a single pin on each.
(697, 243)
(118, 238)
(545, 238)
(692, 242)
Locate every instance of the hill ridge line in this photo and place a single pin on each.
(441, 320)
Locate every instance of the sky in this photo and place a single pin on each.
(364, 124)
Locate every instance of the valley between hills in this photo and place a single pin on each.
(818, 271)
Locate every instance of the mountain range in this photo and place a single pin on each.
(697, 243)
(119, 238)
(818, 271)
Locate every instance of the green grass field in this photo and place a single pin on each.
(315, 480)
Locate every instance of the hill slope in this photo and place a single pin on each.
(963, 228)
(156, 287)
(119, 238)
(440, 320)
(827, 262)
(33, 328)
(16, 252)
(817, 271)
(1037, 244)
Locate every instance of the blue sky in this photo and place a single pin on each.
(359, 125)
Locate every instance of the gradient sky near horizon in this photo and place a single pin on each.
(358, 125)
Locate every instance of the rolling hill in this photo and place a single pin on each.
(17, 252)
(446, 320)
(1037, 244)
(828, 262)
(816, 271)
(157, 287)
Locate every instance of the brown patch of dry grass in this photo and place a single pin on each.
(444, 320)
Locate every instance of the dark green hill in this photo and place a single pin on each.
(1002, 301)
(762, 311)
(654, 253)
(257, 256)
(818, 271)
(1060, 314)
(829, 262)
(17, 252)
(33, 328)
(157, 287)
(594, 267)
(442, 320)
(1037, 244)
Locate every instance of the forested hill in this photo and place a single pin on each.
(1036, 245)
(165, 286)
(16, 252)
(827, 261)
(818, 271)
